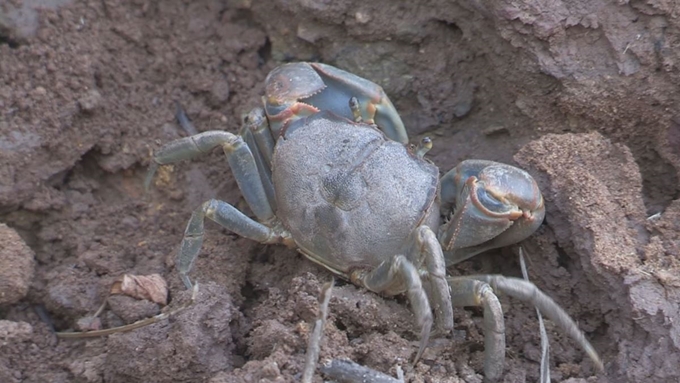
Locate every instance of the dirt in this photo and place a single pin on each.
(582, 94)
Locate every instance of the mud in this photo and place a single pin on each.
(583, 94)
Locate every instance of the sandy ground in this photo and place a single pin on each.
(582, 94)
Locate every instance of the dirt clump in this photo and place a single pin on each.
(597, 216)
(16, 266)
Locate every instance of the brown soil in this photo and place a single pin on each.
(583, 94)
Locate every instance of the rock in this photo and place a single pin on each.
(14, 331)
(90, 101)
(16, 266)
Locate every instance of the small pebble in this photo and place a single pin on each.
(14, 331)
(90, 101)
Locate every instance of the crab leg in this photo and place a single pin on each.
(468, 295)
(183, 120)
(245, 170)
(397, 275)
(470, 292)
(255, 131)
(226, 216)
(240, 159)
(256, 122)
(428, 252)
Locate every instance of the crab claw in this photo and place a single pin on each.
(493, 205)
(301, 89)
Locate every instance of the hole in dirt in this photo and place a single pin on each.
(86, 167)
(6, 38)
(259, 253)
(341, 326)
(453, 27)
(562, 258)
(54, 320)
(476, 347)
(476, 312)
(659, 181)
(264, 54)
(600, 337)
(251, 296)
(44, 315)
(402, 299)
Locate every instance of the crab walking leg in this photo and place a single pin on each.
(397, 275)
(226, 216)
(256, 122)
(183, 120)
(428, 252)
(528, 292)
(240, 160)
(262, 169)
(470, 292)
(255, 132)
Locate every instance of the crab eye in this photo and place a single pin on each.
(490, 202)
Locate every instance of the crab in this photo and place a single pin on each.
(326, 168)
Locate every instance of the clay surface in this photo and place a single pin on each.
(582, 94)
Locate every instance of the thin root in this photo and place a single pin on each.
(131, 326)
(314, 345)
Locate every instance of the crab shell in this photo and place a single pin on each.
(326, 172)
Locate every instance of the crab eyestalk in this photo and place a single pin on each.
(423, 147)
(356, 109)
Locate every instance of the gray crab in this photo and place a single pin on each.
(326, 169)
